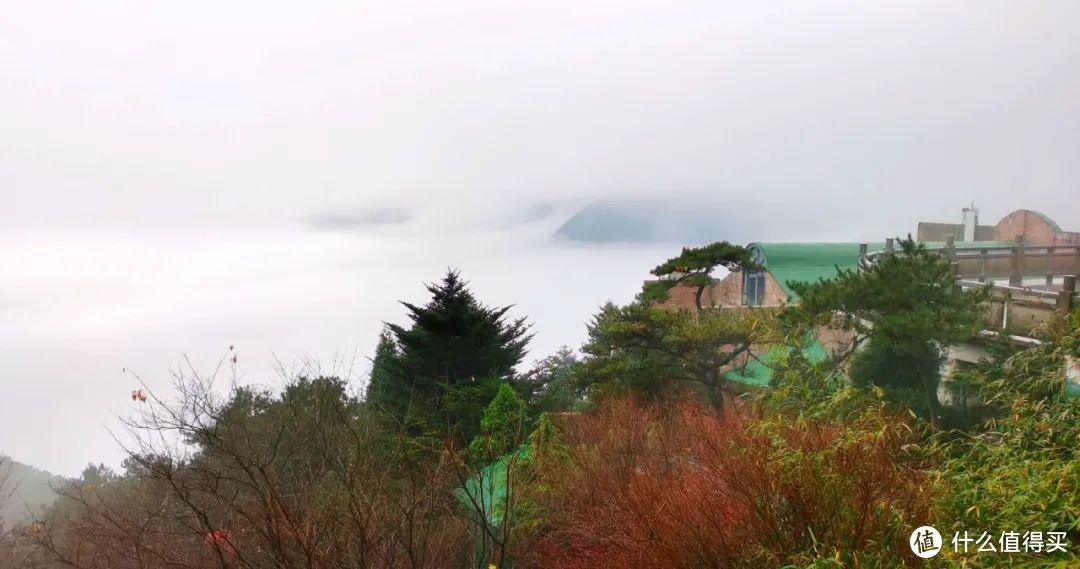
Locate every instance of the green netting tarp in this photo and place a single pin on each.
(758, 371)
(486, 492)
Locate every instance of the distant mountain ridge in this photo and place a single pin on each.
(705, 218)
(644, 221)
(28, 491)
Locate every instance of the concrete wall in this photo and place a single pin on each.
(929, 232)
(1036, 228)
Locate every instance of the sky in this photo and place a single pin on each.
(181, 177)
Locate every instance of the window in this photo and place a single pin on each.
(754, 281)
(753, 288)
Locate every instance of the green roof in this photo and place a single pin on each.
(811, 262)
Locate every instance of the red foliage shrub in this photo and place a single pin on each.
(687, 486)
(221, 538)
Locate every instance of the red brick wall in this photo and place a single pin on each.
(728, 291)
(725, 292)
(774, 294)
(1067, 238)
(1032, 226)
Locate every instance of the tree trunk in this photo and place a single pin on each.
(930, 392)
(715, 389)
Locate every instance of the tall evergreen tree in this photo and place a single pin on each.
(454, 344)
(502, 426)
(382, 384)
(553, 383)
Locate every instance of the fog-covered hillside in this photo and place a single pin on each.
(697, 219)
(642, 221)
(24, 491)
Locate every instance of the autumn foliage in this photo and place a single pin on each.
(685, 485)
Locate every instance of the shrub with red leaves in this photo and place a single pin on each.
(687, 486)
(221, 538)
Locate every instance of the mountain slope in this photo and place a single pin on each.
(25, 491)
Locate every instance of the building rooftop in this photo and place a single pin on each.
(811, 262)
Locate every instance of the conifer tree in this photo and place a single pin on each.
(693, 268)
(455, 346)
(658, 353)
(381, 383)
(907, 305)
(503, 424)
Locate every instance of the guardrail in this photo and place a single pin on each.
(1021, 310)
(1013, 307)
(1015, 262)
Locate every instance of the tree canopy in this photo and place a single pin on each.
(657, 353)
(694, 266)
(503, 424)
(906, 304)
(553, 384)
(453, 346)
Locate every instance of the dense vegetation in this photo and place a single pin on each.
(638, 453)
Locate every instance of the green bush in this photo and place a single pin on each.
(1019, 471)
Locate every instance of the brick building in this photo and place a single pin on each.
(784, 263)
(1036, 228)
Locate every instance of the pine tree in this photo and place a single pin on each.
(552, 384)
(693, 268)
(658, 353)
(915, 311)
(452, 352)
(382, 385)
(503, 424)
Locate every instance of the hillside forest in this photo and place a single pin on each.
(633, 450)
